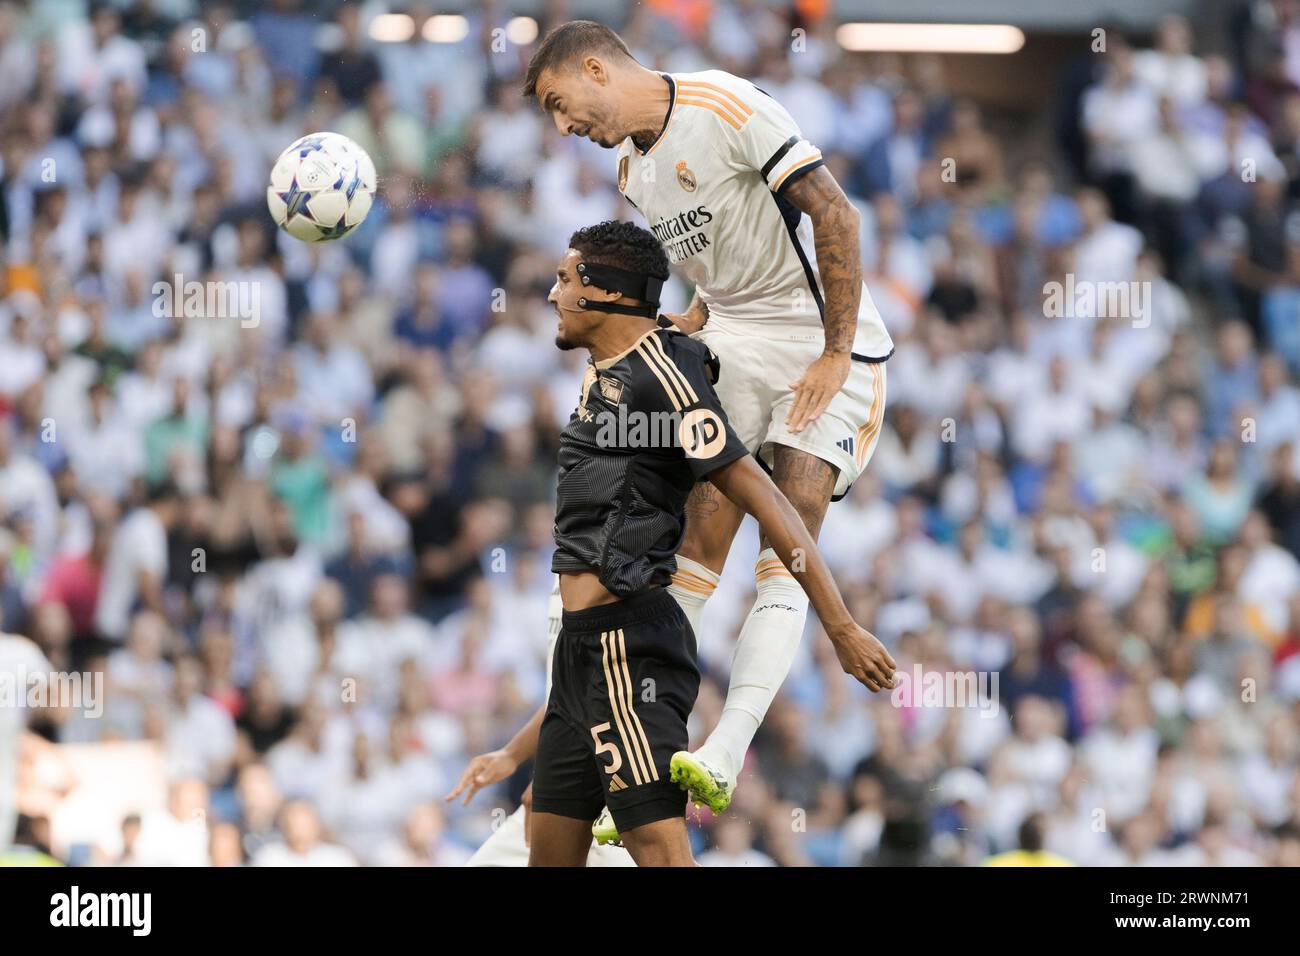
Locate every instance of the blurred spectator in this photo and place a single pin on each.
(304, 843)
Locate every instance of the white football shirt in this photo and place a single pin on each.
(711, 188)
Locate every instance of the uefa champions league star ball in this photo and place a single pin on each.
(321, 187)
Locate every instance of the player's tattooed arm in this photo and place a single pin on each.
(702, 502)
(839, 264)
(835, 223)
(860, 654)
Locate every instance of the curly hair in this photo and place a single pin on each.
(622, 245)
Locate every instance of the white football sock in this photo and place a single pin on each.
(764, 654)
(693, 584)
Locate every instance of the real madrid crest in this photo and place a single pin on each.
(685, 178)
(622, 173)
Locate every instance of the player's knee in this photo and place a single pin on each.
(558, 841)
(544, 854)
(663, 843)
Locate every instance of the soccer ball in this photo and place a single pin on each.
(321, 187)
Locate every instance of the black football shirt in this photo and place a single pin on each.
(647, 427)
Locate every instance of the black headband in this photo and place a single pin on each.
(631, 284)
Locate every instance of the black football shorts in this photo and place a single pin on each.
(623, 682)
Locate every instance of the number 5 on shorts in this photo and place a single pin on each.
(602, 747)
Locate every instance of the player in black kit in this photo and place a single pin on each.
(624, 678)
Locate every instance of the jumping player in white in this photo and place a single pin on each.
(748, 213)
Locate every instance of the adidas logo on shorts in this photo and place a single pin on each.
(846, 444)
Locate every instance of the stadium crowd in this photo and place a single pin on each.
(308, 545)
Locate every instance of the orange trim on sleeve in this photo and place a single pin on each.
(811, 159)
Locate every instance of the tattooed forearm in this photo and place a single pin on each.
(839, 261)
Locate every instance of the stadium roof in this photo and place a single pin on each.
(1065, 15)
(1032, 14)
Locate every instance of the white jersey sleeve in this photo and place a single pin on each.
(770, 142)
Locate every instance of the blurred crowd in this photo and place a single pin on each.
(310, 554)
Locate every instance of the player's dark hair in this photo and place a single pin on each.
(569, 41)
(1033, 833)
(622, 245)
